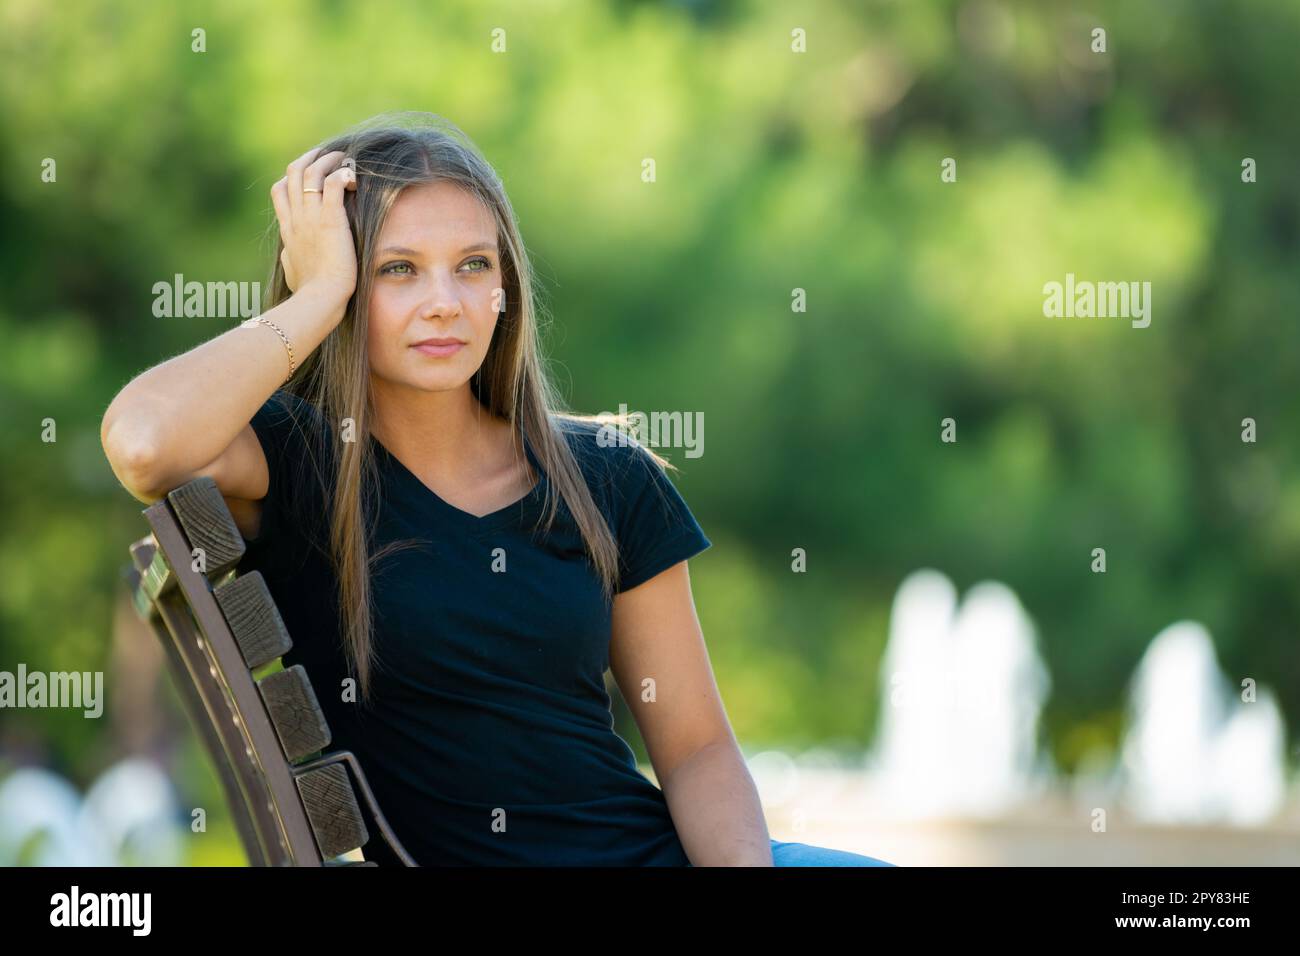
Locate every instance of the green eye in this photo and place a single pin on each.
(392, 267)
(487, 266)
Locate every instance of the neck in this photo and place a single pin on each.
(444, 434)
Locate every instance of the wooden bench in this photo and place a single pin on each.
(293, 802)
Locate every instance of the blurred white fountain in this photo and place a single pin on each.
(959, 725)
(1194, 752)
(955, 775)
(129, 815)
(37, 803)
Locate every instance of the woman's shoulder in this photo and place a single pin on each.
(604, 449)
(295, 422)
(622, 471)
(297, 440)
(649, 517)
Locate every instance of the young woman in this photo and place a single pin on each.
(457, 561)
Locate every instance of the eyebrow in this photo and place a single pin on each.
(406, 251)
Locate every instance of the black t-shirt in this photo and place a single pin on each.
(489, 739)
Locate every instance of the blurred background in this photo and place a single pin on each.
(949, 679)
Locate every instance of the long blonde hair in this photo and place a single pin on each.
(390, 152)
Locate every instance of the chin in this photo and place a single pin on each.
(440, 383)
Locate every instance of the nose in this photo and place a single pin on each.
(440, 298)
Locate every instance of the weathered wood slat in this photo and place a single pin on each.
(208, 524)
(295, 712)
(332, 809)
(253, 618)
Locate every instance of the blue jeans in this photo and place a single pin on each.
(803, 854)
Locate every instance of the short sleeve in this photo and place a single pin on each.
(653, 524)
(293, 510)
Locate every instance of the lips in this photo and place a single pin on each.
(439, 348)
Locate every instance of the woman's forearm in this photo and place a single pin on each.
(716, 809)
(180, 415)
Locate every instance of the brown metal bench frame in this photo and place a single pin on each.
(292, 802)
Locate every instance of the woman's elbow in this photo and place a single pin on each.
(134, 458)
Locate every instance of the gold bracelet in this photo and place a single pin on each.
(276, 329)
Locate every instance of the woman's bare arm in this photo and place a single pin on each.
(178, 417)
(190, 415)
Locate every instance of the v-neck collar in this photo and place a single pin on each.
(492, 521)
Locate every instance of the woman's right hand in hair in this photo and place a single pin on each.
(319, 252)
